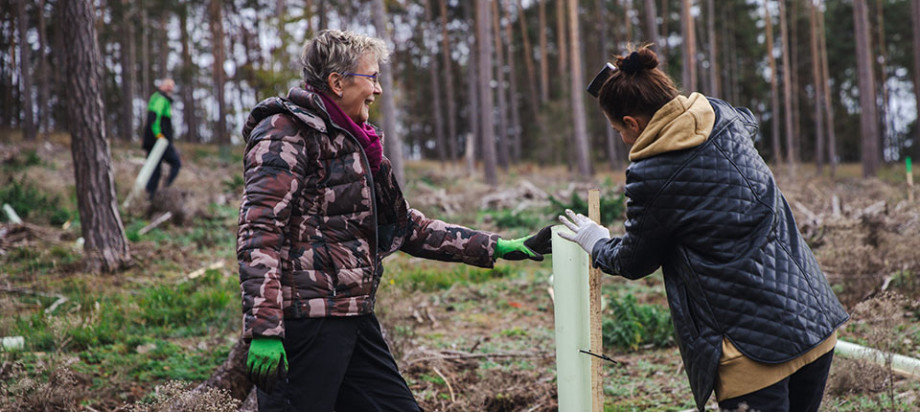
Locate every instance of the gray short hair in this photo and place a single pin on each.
(334, 51)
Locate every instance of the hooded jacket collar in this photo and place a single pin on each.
(682, 123)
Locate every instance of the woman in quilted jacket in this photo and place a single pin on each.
(754, 316)
(321, 209)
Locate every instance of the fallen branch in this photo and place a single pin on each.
(460, 355)
(201, 271)
(59, 299)
(449, 388)
(156, 222)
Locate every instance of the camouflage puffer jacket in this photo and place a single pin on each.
(315, 222)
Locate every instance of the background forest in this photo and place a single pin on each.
(831, 82)
(117, 307)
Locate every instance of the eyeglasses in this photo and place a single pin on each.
(372, 77)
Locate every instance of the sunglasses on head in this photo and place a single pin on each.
(594, 88)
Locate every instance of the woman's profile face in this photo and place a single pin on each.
(360, 89)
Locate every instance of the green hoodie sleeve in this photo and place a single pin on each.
(160, 107)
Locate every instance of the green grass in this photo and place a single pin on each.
(31, 204)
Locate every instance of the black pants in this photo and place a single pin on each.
(800, 392)
(170, 156)
(338, 364)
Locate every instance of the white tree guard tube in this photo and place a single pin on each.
(570, 283)
(900, 364)
(11, 214)
(144, 175)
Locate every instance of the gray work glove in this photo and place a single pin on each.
(587, 232)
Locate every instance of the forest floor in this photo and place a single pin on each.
(466, 339)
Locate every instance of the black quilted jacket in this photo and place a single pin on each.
(734, 263)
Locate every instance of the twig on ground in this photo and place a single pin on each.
(447, 382)
(156, 222)
(197, 273)
(460, 355)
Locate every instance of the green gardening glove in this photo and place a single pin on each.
(531, 247)
(267, 362)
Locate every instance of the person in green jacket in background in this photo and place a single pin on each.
(159, 126)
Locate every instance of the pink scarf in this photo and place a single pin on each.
(365, 134)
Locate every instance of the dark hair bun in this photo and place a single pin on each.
(641, 59)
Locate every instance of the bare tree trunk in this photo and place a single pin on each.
(714, 75)
(449, 85)
(651, 29)
(162, 46)
(794, 73)
(828, 103)
(774, 86)
(627, 14)
(435, 88)
(392, 142)
(665, 30)
(869, 120)
(25, 72)
(515, 129)
(562, 44)
(44, 80)
(485, 91)
(231, 375)
(688, 36)
(106, 247)
(578, 102)
(791, 152)
(544, 58)
(146, 81)
(889, 138)
(217, 70)
(501, 136)
(128, 70)
(915, 12)
(527, 55)
(187, 78)
(613, 155)
(819, 84)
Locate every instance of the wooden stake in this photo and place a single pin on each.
(594, 290)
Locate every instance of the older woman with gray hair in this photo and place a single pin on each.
(320, 211)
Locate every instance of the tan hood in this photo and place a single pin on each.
(680, 124)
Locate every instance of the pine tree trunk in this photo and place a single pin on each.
(474, 137)
(544, 60)
(392, 142)
(578, 102)
(774, 87)
(651, 28)
(714, 75)
(527, 55)
(665, 29)
(868, 121)
(449, 85)
(563, 44)
(819, 84)
(828, 103)
(146, 81)
(791, 152)
(44, 80)
(484, 37)
(794, 72)
(515, 127)
(162, 46)
(128, 77)
(25, 72)
(231, 375)
(915, 12)
(611, 136)
(501, 136)
(688, 36)
(106, 247)
(216, 25)
(627, 12)
(440, 143)
(187, 79)
(888, 138)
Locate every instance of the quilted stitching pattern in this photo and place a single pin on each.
(734, 262)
